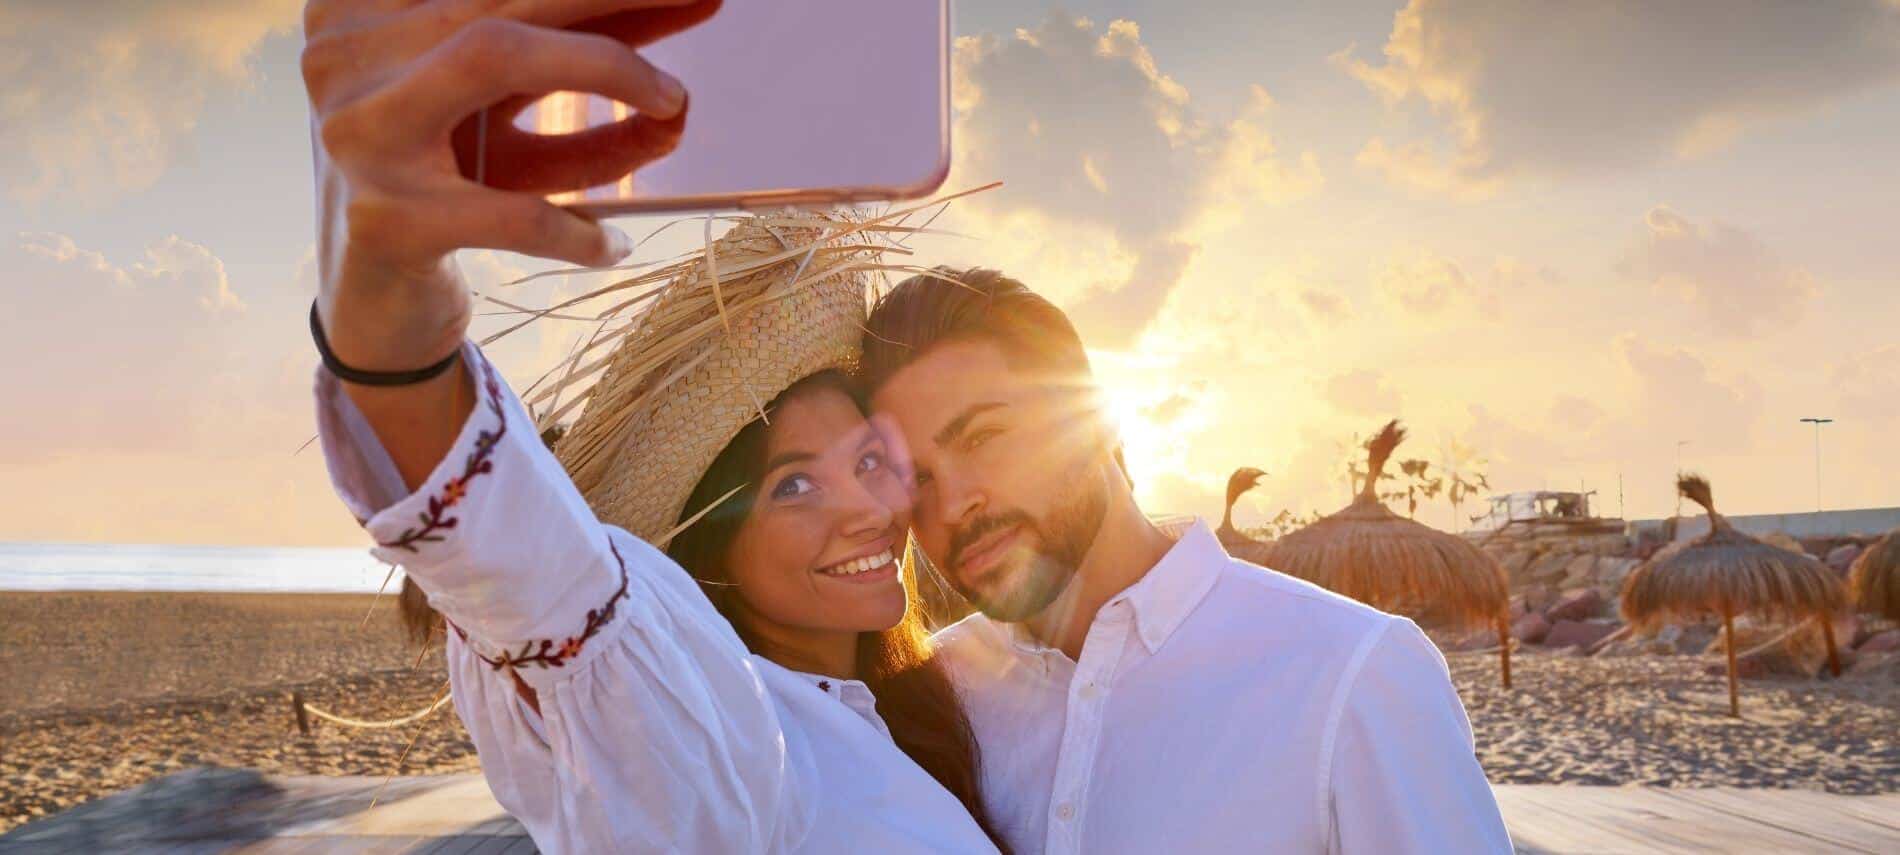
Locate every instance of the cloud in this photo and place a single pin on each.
(1676, 392)
(1363, 393)
(1730, 275)
(1101, 150)
(102, 96)
(1329, 307)
(1869, 386)
(157, 354)
(1428, 286)
(1555, 87)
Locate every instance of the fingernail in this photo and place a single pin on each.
(672, 93)
(619, 246)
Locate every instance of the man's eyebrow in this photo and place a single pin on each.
(962, 421)
(789, 457)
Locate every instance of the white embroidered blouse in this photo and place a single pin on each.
(657, 731)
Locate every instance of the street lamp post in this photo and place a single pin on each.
(1817, 458)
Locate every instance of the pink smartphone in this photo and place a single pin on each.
(793, 102)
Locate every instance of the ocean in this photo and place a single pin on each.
(132, 567)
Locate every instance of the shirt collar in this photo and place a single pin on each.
(1163, 597)
(1172, 589)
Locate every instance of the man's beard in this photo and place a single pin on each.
(1057, 542)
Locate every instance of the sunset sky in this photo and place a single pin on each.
(1565, 235)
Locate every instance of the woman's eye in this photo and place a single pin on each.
(793, 486)
(922, 477)
(976, 440)
(870, 462)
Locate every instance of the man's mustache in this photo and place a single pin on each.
(963, 537)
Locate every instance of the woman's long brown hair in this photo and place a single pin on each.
(914, 694)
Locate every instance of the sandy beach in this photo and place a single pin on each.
(107, 690)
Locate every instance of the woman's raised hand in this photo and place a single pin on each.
(396, 90)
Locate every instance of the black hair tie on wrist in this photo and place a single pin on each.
(372, 378)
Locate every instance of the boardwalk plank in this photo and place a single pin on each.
(1828, 826)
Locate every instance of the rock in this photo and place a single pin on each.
(1883, 642)
(1842, 557)
(1581, 570)
(1688, 640)
(1611, 571)
(1763, 650)
(1785, 541)
(1531, 628)
(1537, 598)
(1576, 606)
(1549, 567)
(1517, 561)
(1578, 633)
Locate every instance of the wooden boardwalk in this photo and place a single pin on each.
(237, 811)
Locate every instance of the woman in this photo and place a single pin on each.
(614, 706)
(762, 685)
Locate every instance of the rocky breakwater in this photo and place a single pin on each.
(1565, 583)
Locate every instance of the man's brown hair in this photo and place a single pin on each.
(977, 304)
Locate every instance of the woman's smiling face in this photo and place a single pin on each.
(819, 549)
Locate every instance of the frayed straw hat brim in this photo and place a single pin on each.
(695, 348)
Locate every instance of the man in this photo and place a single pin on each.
(1132, 693)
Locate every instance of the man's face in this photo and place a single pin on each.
(1010, 473)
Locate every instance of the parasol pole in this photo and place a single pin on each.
(1728, 640)
(1504, 646)
(1833, 656)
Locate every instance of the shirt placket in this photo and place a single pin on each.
(1082, 727)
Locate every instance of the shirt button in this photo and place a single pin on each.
(1065, 811)
(1089, 691)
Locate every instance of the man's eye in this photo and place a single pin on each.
(923, 477)
(793, 486)
(870, 462)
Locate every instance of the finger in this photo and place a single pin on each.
(561, 13)
(542, 163)
(473, 216)
(645, 27)
(495, 58)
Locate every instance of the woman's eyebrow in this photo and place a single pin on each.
(787, 458)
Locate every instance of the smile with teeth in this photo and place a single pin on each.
(858, 565)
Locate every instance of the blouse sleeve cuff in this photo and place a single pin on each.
(497, 535)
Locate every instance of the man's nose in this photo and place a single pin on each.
(960, 496)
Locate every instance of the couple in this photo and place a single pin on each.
(691, 630)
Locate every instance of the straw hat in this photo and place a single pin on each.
(727, 329)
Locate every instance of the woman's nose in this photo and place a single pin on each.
(861, 510)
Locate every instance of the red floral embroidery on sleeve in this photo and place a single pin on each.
(546, 652)
(430, 523)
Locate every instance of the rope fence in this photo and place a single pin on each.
(303, 709)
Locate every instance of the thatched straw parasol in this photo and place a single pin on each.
(1377, 557)
(1240, 545)
(1726, 573)
(1875, 577)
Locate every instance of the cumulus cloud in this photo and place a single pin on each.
(1557, 88)
(1099, 147)
(1363, 393)
(156, 354)
(1427, 286)
(1730, 275)
(101, 96)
